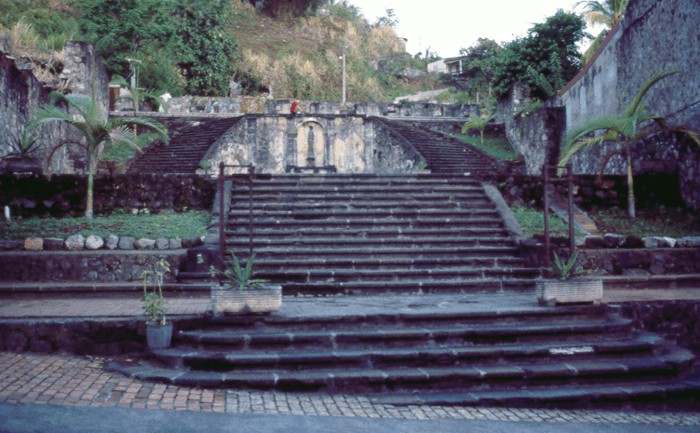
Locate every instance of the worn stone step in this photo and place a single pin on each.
(395, 274)
(331, 252)
(361, 243)
(408, 263)
(330, 214)
(479, 376)
(676, 392)
(215, 359)
(240, 233)
(338, 335)
(370, 223)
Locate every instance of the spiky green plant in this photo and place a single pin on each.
(478, 123)
(238, 277)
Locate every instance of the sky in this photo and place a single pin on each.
(445, 26)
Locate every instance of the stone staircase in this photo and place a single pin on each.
(443, 154)
(527, 356)
(186, 148)
(365, 234)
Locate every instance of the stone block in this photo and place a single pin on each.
(126, 243)
(633, 241)
(689, 242)
(145, 244)
(34, 244)
(191, 242)
(659, 242)
(162, 244)
(94, 242)
(175, 244)
(613, 241)
(9, 245)
(112, 242)
(53, 244)
(594, 242)
(75, 242)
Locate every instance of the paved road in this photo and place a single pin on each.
(56, 419)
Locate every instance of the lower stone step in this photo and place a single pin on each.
(674, 393)
(494, 377)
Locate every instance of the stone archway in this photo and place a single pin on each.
(311, 145)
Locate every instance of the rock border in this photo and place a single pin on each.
(78, 242)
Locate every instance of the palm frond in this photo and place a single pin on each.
(636, 104)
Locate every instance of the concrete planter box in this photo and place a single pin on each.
(263, 300)
(573, 291)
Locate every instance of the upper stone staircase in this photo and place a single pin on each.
(371, 234)
(444, 155)
(186, 148)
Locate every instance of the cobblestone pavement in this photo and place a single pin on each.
(73, 381)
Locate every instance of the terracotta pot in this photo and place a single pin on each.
(263, 300)
(572, 291)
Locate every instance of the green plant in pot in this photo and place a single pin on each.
(159, 330)
(238, 292)
(563, 284)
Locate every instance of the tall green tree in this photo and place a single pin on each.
(628, 129)
(85, 115)
(477, 66)
(607, 13)
(545, 59)
(205, 47)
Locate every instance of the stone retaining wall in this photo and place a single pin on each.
(65, 194)
(677, 321)
(102, 266)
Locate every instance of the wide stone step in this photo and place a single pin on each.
(361, 243)
(215, 359)
(312, 215)
(358, 197)
(674, 392)
(351, 334)
(396, 274)
(407, 263)
(357, 188)
(331, 252)
(472, 377)
(240, 233)
(364, 205)
(419, 286)
(369, 223)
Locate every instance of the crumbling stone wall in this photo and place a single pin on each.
(21, 93)
(654, 36)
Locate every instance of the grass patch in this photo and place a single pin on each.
(167, 224)
(495, 147)
(532, 222)
(659, 221)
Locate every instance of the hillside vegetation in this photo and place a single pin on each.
(198, 47)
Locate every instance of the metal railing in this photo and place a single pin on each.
(223, 212)
(569, 179)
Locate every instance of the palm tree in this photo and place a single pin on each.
(478, 123)
(97, 129)
(627, 128)
(607, 13)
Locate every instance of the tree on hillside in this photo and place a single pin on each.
(628, 129)
(132, 29)
(206, 50)
(477, 66)
(97, 129)
(545, 59)
(607, 13)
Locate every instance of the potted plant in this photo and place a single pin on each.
(563, 286)
(159, 330)
(237, 292)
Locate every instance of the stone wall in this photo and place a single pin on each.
(253, 105)
(65, 194)
(654, 36)
(308, 143)
(677, 321)
(94, 266)
(21, 93)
